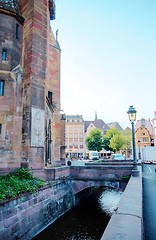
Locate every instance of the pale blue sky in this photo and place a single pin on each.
(108, 57)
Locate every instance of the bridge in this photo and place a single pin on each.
(94, 171)
(90, 174)
(83, 175)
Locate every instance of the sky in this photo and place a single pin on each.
(108, 58)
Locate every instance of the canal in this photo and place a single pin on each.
(87, 220)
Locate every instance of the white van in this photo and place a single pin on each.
(93, 155)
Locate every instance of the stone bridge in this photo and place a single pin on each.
(107, 170)
(92, 174)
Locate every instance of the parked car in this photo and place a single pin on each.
(117, 156)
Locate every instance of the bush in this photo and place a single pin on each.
(23, 173)
(20, 181)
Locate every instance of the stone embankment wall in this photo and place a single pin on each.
(24, 217)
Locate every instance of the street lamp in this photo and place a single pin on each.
(132, 117)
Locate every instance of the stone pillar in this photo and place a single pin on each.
(36, 14)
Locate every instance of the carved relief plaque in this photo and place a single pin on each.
(37, 127)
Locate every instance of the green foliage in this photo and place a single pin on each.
(126, 177)
(94, 140)
(20, 181)
(111, 132)
(115, 140)
(23, 173)
(127, 135)
(107, 139)
(106, 144)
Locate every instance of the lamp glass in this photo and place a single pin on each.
(132, 114)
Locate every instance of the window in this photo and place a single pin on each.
(70, 135)
(81, 144)
(50, 97)
(4, 54)
(81, 136)
(75, 135)
(17, 31)
(1, 88)
(76, 144)
(145, 139)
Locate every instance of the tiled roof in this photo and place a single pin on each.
(86, 124)
(115, 125)
(147, 124)
(98, 123)
(74, 116)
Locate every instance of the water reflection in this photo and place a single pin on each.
(109, 200)
(86, 221)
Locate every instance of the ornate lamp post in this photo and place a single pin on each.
(132, 117)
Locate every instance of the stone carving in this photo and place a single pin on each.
(37, 127)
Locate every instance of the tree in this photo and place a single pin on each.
(94, 141)
(128, 140)
(117, 142)
(111, 132)
(107, 138)
(106, 144)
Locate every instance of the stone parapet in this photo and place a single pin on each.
(126, 222)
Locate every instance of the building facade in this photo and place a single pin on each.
(144, 134)
(91, 125)
(30, 123)
(74, 137)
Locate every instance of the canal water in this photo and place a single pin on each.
(87, 220)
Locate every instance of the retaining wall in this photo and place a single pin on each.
(24, 217)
